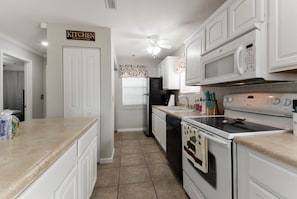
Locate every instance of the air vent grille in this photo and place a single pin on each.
(110, 4)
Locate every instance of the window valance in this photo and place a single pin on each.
(133, 71)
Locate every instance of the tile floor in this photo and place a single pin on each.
(139, 171)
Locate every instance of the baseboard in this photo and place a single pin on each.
(107, 160)
(131, 129)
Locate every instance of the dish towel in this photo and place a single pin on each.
(196, 148)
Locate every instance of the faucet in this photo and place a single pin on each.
(187, 99)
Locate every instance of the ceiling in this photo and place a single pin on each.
(131, 22)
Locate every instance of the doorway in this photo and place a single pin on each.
(16, 85)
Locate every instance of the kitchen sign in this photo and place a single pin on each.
(80, 35)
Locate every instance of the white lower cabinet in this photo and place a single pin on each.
(87, 170)
(262, 177)
(68, 189)
(83, 175)
(72, 176)
(93, 164)
(159, 127)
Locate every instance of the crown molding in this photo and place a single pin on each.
(20, 44)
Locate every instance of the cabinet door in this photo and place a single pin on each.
(244, 14)
(90, 82)
(68, 189)
(282, 31)
(216, 30)
(154, 123)
(170, 76)
(84, 175)
(72, 82)
(194, 50)
(165, 75)
(93, 164)
(48, 182)
(158, 129)
(163, 134)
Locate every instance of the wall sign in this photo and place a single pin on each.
(80, 35)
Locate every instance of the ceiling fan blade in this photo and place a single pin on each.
(166, 46)
(164, 43)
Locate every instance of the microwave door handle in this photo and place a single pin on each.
(237, 59)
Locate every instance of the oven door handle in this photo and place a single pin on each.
(213, 138)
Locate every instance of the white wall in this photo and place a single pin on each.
(14, 47)
(131, 118)
(56, 35)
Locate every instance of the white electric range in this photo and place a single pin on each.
(208, 173)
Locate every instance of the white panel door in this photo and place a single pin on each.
(282, 31)
(90, 82)
(216, 30)
(72, 82)
(244, 14)
(81, 82)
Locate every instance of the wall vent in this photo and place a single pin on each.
(110, 4)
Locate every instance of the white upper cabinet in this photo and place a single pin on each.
(170, 76)
(194, 49)
(216, 30)
(282, 32)
(245, 15)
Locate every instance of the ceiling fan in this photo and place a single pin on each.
(155, 45)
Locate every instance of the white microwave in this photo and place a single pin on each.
(241, 59)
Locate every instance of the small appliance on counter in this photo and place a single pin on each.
(171, 101)
(9, 125)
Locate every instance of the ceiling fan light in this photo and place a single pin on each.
(150, 49)
(156, 50)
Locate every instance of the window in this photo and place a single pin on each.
(133, 91)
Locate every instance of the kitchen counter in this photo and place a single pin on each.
(40, 142)
(178, 113)
(282, 147)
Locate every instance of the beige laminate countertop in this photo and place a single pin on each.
(178, 114)
(40, 142)
(282, 147)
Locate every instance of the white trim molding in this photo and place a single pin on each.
(131, 129)
(20, 44)
(107, 160)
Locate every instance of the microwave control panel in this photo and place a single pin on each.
(249, 58)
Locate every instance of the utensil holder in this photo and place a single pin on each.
(210, 108)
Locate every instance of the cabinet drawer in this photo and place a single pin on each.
(273, 175)
(160, 114)
(86, 140)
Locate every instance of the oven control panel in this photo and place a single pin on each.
(264, 103)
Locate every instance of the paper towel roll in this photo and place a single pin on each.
(171, 100)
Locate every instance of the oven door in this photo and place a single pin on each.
(217, 182)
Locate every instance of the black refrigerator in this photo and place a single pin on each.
(155, 96)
